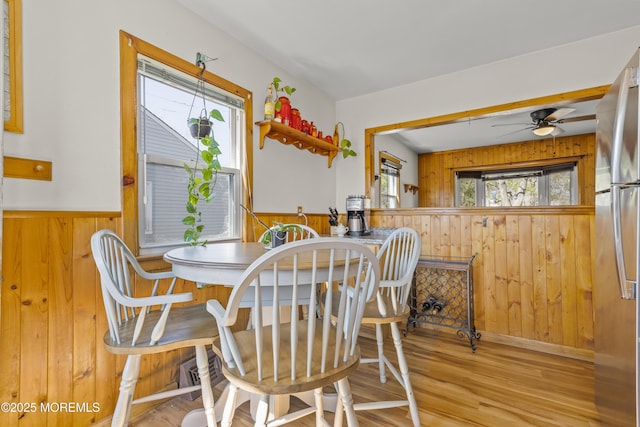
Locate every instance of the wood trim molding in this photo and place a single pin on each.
(488, 211)
(58, 214)
(543, 347)
(15, 122)
(370, 133)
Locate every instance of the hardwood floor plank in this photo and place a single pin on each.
(499, 385)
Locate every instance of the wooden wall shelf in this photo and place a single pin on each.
(15, 167)
(411, 187)
(290, 136)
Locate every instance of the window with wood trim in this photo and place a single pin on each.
(12, 37)
(389, 181)
(542, 185)
(154, 150)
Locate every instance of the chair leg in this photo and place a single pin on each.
(404, 371)
(127, 388)
(380, 341)
(317, 394)
(202, 360)
(344, 389)
(230, 406)
(337, 419)
(262, 414)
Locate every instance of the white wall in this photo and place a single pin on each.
(588, 63)
(72, 104)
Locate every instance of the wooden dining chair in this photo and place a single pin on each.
(140, 325)
(398, 258)
(283, 356)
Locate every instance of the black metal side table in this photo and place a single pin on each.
(442, 294)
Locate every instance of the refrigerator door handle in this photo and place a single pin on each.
(627, 287)
(618, 127)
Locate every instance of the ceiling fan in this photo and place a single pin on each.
(545, 121)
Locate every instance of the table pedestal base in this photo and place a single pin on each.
(278, 405)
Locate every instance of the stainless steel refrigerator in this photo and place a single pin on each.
(617, 263)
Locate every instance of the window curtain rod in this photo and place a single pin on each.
(394, 156)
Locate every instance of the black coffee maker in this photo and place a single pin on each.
(356, 217)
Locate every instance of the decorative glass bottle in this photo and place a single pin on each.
(269, 104)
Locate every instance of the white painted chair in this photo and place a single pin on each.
(283, 356)
(398, 260)
(290, 233)
(140, 325)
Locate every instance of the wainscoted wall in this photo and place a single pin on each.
(532, 276)
(532, 272)
(52, 323)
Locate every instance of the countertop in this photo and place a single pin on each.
(376, 237)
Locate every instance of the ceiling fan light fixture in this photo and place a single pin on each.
(544, 130)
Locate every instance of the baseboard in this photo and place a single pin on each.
(542, 347)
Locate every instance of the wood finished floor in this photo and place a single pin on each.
(498, 385)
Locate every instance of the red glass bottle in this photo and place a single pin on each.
(296, 119)
(285, 110)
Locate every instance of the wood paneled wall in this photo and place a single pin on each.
(532, 276)
(318, 222)
(532, 272)
(52, 322)
(436, 170)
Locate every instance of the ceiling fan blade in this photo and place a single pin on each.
(510, 124)
(560, 112)
(557, 131)
(514, 132)
(577, 118)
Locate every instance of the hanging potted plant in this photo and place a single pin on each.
(201, 180)
(199, 127)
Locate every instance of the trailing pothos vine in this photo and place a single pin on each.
(201, 182)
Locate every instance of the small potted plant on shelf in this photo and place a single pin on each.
(201, 183)
(283, 104)
(285, 89)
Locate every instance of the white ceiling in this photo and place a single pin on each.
(347, 48)
(499, 128)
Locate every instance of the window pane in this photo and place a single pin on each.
(547, 185)
(166, 201)
(467, 188)
(166, 101)
(389, 185)
(171, 106)
(560, 188)
(512, 192)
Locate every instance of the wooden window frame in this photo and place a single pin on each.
(15, 123)
(382, 156)
(542, 164)
(130, 48)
